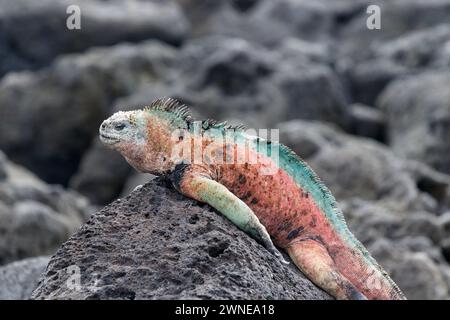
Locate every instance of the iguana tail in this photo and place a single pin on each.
(366, 274)
(343, 271)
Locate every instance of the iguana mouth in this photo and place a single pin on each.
(108, 139)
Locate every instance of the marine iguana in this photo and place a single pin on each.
(269, 198)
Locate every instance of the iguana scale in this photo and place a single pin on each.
(282, 200)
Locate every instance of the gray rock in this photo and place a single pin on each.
(221, 77)
(135, 181)
(20, 278)
(418, 113)
(371, 221)
(296, 50)
(398, 17)
(367, 122)
(233, 78)
(101, 174)
(360, 168)
(201, 12)
(445, 246)
(35, 218)
(312, 92)
(419, 276)
(370, 59)
(34, 33)
(156, 244)
(53, 114)
(3, 164)
(391, 59)
(267, 22)
(418, 49)
(444, 221)
(303, 19)
(367, 79)
(432, 182)
(244, 5)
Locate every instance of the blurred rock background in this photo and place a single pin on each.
(368, 109)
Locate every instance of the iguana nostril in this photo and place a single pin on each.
(103, 126)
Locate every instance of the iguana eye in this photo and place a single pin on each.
(119, 126)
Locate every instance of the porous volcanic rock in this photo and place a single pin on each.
(157, 244)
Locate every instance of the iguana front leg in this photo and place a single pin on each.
(204, 189)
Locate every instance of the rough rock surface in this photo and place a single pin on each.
(20, 278)
(156, 244)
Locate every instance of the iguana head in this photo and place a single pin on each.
(122, 129)
(146, 137)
